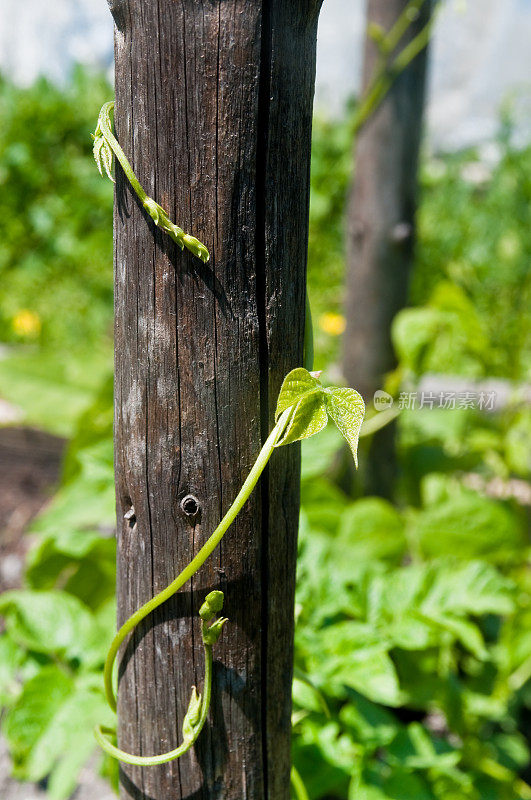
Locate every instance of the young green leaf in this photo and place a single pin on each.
(308, 418)
(313, 404)
(211, 633)
(346, 408)
(196, 247)
(155, 211)
(296, 385)
(103, 156)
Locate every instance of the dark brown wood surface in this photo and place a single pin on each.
(213, 109)
(381, 232)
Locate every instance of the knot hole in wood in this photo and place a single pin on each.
(191, 507)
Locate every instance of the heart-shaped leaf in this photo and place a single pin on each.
(346, 408)
(312, 405)
(296, 384)
(308, 418)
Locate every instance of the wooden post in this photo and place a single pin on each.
(380, 225)
(213, 109)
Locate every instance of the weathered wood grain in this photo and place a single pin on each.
(213, 108)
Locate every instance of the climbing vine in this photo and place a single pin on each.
(105, 147)
(304, 407)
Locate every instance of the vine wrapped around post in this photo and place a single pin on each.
(303, 409)
(106, 146)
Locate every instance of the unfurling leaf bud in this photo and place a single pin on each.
(211, 634)
(212, 604)
(153, 209)
(191, 718)
(196, 247)
(103, 155)
(106, 146)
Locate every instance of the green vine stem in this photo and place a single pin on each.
(303, 409)
(209, 546)
(105, 146)
(197, 712)
(388, 69)
(198, 708)
(298, 785)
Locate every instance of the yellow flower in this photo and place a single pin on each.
(27, 323)
(332, 323)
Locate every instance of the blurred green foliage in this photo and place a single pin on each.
(472, 277)
(475, 232)
(412, 654)
(55, 250)
(413, 651)
(332, 162)
(56, 242)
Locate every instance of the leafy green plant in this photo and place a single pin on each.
(58, 643)
(58, 628)
(404, 684)
(480, 247)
